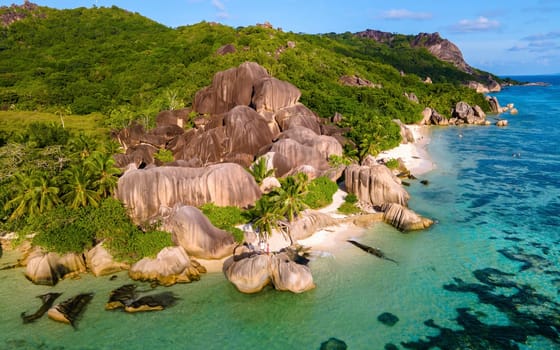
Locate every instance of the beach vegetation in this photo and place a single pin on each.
(164, 155)
(69, 77)
(289, 199)
(65, 229)
(349, 206)
(259, 170)
(226, 218)
(320, 192)
(392, 163)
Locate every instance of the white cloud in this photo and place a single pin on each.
(222, 11)
(480, 24)
(546, 36)
(398, 14)
(219, 5)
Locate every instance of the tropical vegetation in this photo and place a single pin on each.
(68, 77)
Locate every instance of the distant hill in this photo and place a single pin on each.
(127, 66)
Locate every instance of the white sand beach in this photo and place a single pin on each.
(329, 239)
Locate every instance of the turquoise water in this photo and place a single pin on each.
(487, 275)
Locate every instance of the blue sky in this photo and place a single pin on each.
(512, 37)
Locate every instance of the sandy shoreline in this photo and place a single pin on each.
(329, 239)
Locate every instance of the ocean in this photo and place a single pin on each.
(485, 276)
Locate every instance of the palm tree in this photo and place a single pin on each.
(289, 197)
(260, 170)
(78, 188)
(82, 145)
(266, 216)
(103, 172)
(34, 194)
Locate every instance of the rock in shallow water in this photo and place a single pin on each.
(388, 319)
(333, 344)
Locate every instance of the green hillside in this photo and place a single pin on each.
(127, 67)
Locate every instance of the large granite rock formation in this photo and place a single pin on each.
(145, 191)
(229, 88)
(463, 113)
(251, 272)
(441, 48)
(403, 218)
(100, 262)
(326, 145)
(308, 222)
(375, 185)
(432, 117)
(194, 232)
(171, 265)
(49, 268)
(234, 120)
(287, 275)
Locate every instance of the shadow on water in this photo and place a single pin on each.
(530, 314)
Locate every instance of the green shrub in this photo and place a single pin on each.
(351, 198)
(164, 156)
(150, 243)
(348, 208)
(349, 205)
(392, 163)
(226, 218)
(64, 230)
(46, 134)
(320, 192)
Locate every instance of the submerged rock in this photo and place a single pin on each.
(47, 300)
(127, 298)
(70, 310)
(152, 302)
(333, 344)
(388, 319)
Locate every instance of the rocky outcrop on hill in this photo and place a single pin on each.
(171, 265)
(193, 231)
(443, 49)
(16, 13)
(146, 191)
(229, 88)
(354, 80)
(239, 117)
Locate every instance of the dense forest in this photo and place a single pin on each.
(68, 77)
